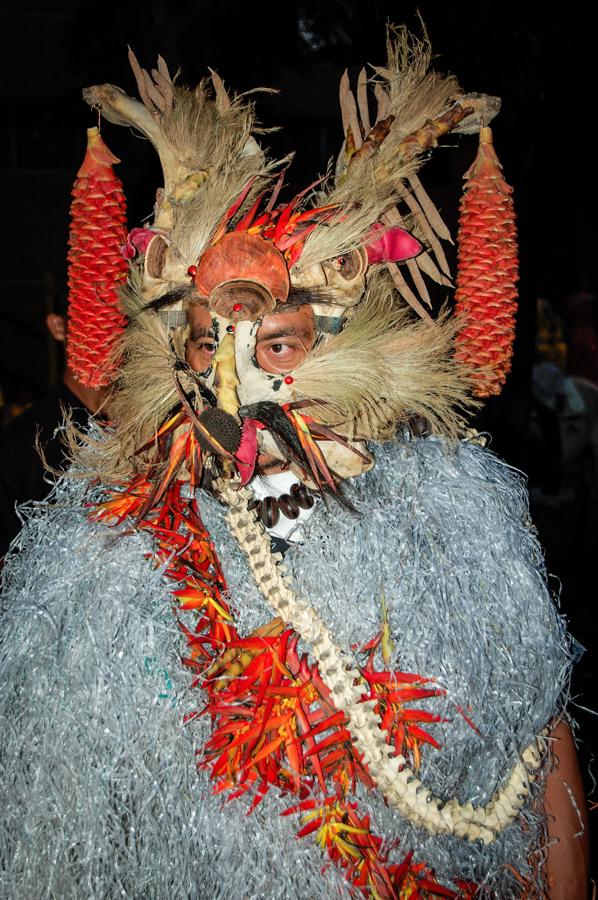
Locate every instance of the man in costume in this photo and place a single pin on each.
(289, 635)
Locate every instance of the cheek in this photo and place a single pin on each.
(198, 358)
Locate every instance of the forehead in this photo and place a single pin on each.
(299, 320)
(199, 317)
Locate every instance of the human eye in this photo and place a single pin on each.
(279, 349)
(279, 356)
(200, 351)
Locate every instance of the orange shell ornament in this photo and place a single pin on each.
(243, 276)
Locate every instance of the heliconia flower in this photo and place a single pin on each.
(487, 272)
(96, 266)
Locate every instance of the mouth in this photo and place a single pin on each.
(298, 436)
(270, 465)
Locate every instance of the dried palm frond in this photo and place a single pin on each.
(367, 185)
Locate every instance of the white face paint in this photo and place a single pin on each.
(267, 352)
(256, 385)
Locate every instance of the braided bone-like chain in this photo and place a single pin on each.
(401, 788)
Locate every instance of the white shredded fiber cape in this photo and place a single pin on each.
(99, 792)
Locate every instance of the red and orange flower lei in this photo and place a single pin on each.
(274, 724)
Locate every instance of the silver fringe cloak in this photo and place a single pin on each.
(99, 792)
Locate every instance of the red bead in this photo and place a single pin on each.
(237, 307)
(288, 379)
(192, 271)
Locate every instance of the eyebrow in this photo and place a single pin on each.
(197, 333)
(289, 331)
(299, 297)
(181, 293)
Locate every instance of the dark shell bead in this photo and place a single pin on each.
(289, 506)
(303, 496)
(270, 512)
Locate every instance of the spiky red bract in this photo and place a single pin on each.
(96, 266)
(487, 272)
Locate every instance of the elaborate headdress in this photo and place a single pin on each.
(222, 239)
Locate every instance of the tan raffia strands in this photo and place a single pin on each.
(142, 397)
(400, 786)
(194, 221)
(384, 367)
(213, 138)
(206, 149)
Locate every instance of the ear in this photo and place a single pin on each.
(56, 326)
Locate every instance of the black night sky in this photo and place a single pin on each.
(542, 64)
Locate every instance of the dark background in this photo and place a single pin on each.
(541, 64)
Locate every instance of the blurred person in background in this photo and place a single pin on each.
(23, 474)
(580, 310)
(563, 431)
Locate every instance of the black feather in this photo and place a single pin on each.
(274, 418)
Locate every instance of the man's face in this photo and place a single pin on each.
(265, 352)
(281, 343)
(283, 340)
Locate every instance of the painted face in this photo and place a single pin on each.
(279, 342)
(260, 358)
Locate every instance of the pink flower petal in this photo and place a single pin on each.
(137, 242)
(246, 455)
(393, 245)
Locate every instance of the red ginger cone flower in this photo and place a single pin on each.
(487, 272)
(96, 266)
